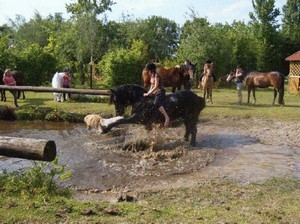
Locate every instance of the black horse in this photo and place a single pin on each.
(2, 91)
(19, 78)
(183, 104)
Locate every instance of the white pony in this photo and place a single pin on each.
(57, 82)
(95, 121)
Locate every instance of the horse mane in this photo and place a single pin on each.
(127, 93)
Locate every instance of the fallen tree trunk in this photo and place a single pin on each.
(28, 148)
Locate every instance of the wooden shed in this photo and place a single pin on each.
(294, 74)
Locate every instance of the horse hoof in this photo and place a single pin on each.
(193, 144)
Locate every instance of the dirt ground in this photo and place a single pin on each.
(131, 161)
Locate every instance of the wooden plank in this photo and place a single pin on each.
(57, 90)
(28, 148)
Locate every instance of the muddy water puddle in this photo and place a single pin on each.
(130, 158)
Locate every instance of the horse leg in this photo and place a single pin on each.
(23, 93)
(254, 98)
(275, 95)
(194, 133)
(15, 95)
(190, 122)
(3, 96)
(281, 94)
(249, 92)
(210, 96)
(131, 119)
(187, 130)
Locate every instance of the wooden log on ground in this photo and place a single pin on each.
(28, 148)
(57, 90)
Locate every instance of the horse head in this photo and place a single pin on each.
(192, 70)
(124, 96)
(231, 75)
(118, 101)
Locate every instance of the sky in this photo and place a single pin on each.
(216, 11)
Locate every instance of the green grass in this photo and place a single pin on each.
(213, 201)
(224, 105)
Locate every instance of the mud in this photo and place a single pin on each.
(130, 160)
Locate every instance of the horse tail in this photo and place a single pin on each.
(281, 89)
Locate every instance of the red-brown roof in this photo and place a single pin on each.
(294, 57)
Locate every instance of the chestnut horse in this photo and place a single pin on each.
(263, 80)
(207, 84)
(173, 77)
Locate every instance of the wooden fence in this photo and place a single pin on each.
(57, 90)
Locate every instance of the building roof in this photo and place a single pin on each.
(294, 57)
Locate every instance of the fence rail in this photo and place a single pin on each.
(57, 90)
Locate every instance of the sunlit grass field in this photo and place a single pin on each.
(224, 104)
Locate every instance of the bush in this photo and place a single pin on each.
(32, 113)
(124, 65)
(38, 180)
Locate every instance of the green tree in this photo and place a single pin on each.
(265, 25)
(201, 41)
(290, 29)
(124, 65)
(291, 20)
(6, 35)
(84, 13)
(161, 35)
(242, 42)
(37, 64)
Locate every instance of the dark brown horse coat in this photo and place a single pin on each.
(173, 77)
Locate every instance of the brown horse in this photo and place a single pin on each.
(207, 83)
(173, 77)
(263, 80)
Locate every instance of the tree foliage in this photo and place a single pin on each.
(42, 46)
(124, 65)
(291, 26)
(265, 25)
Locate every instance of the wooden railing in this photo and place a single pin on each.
(56, 90)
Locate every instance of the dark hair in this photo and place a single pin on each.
(66, 69)
(151, 67)
(208, 61)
